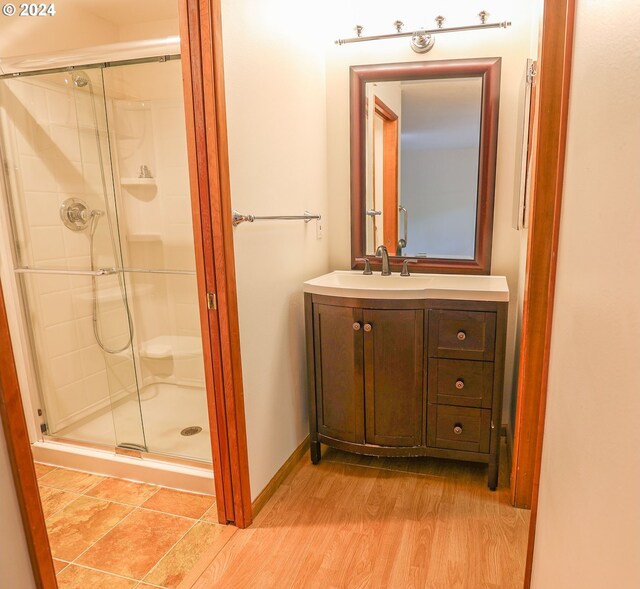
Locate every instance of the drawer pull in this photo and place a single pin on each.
(368, 327)
(459, 384)
(356, 326)
(462, 336)
(457, 429)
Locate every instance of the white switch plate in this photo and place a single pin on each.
(319, 229)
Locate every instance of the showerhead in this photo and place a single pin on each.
(79, 81)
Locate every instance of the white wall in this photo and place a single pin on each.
(68, 29)
(512, 44)
(274, 74)
(87, 23)
(588, 531)
(15, 566)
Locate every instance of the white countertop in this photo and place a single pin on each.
(463, 287)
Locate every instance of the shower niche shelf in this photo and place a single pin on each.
(138, 182)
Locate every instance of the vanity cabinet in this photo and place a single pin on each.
(368, 374)
(406, 377)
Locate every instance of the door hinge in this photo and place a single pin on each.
(211, 301)
(532, 72)
(44, 428)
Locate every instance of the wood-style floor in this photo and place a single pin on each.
(360, 522)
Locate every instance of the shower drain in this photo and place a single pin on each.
(191, 431)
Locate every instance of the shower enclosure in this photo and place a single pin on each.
(97, 199)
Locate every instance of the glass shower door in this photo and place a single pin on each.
(145, 108)
(68, 257)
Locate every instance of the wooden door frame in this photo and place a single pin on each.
(22, 466)
(554, 77)
(390, 140)
(205, 109)
(201, 44)
(201, 38)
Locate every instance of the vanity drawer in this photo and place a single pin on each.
(469, 335)
(467, 383)
(459, 428)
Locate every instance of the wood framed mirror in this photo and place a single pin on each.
(423, 159)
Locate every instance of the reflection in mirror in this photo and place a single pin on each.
(423, 162)
(423, 144)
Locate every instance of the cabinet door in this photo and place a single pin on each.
(339, 372)
(393, 349)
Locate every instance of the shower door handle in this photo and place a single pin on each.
(403, 211)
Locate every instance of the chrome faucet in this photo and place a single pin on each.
(382, 252)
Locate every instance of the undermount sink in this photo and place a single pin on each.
(355, 284)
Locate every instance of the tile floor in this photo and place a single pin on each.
(116, 534)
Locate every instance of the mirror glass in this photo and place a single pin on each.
(424, 139)
(422, 164)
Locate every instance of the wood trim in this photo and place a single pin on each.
(548, 177)
(19, 448)
(203, 247)
(390, 146)
(383, 110)
(203, 71)
(283, 472)
(489, 70)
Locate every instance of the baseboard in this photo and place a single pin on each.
(276, 481)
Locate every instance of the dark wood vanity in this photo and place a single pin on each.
(404, 365)
(390, 377)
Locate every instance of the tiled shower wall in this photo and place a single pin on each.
(149, 129)
(51, 151)
(51, 148)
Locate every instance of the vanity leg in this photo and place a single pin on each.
(493, 474)
(314, 447)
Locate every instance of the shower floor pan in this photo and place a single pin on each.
(167, 409)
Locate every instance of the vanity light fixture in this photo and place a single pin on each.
(422, 40)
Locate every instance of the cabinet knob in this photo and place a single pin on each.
(457, 429)
(462, 336)
(356, 326)
(368, 327)
(459, 384)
